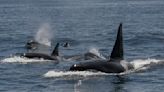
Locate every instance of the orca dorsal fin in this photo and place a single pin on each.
(56, 50)
(117, 52)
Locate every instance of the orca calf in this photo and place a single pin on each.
(116, 64)
(85, 56)
(53, 56)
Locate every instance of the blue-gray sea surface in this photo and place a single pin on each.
(84, 24)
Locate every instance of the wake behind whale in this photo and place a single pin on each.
(23, 60)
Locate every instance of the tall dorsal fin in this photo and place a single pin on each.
(117, 52)
(56, 50)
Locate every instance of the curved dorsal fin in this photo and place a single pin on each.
(56, 50)
(117, 52)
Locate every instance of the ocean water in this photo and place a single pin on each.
(85, 24)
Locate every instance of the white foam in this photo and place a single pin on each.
(144, 64)
(44, 36)
(72, 73)
(18, 59)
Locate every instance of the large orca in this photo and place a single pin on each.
(116, 64)
(53, 55)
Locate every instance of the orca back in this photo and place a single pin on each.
(117, 52)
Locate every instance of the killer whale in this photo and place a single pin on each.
(35, 45)
(32, 44)
(86, 56)
(116, 63)
(53, 55)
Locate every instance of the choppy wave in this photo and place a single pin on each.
(96, 52)
(18, 59)
(138, 65)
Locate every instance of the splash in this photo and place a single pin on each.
(96, 52)
(44, 36)
(56, 74)
(24, 60)
(71, 73)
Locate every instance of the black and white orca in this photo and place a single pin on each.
(116, 64)
(53, 55)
